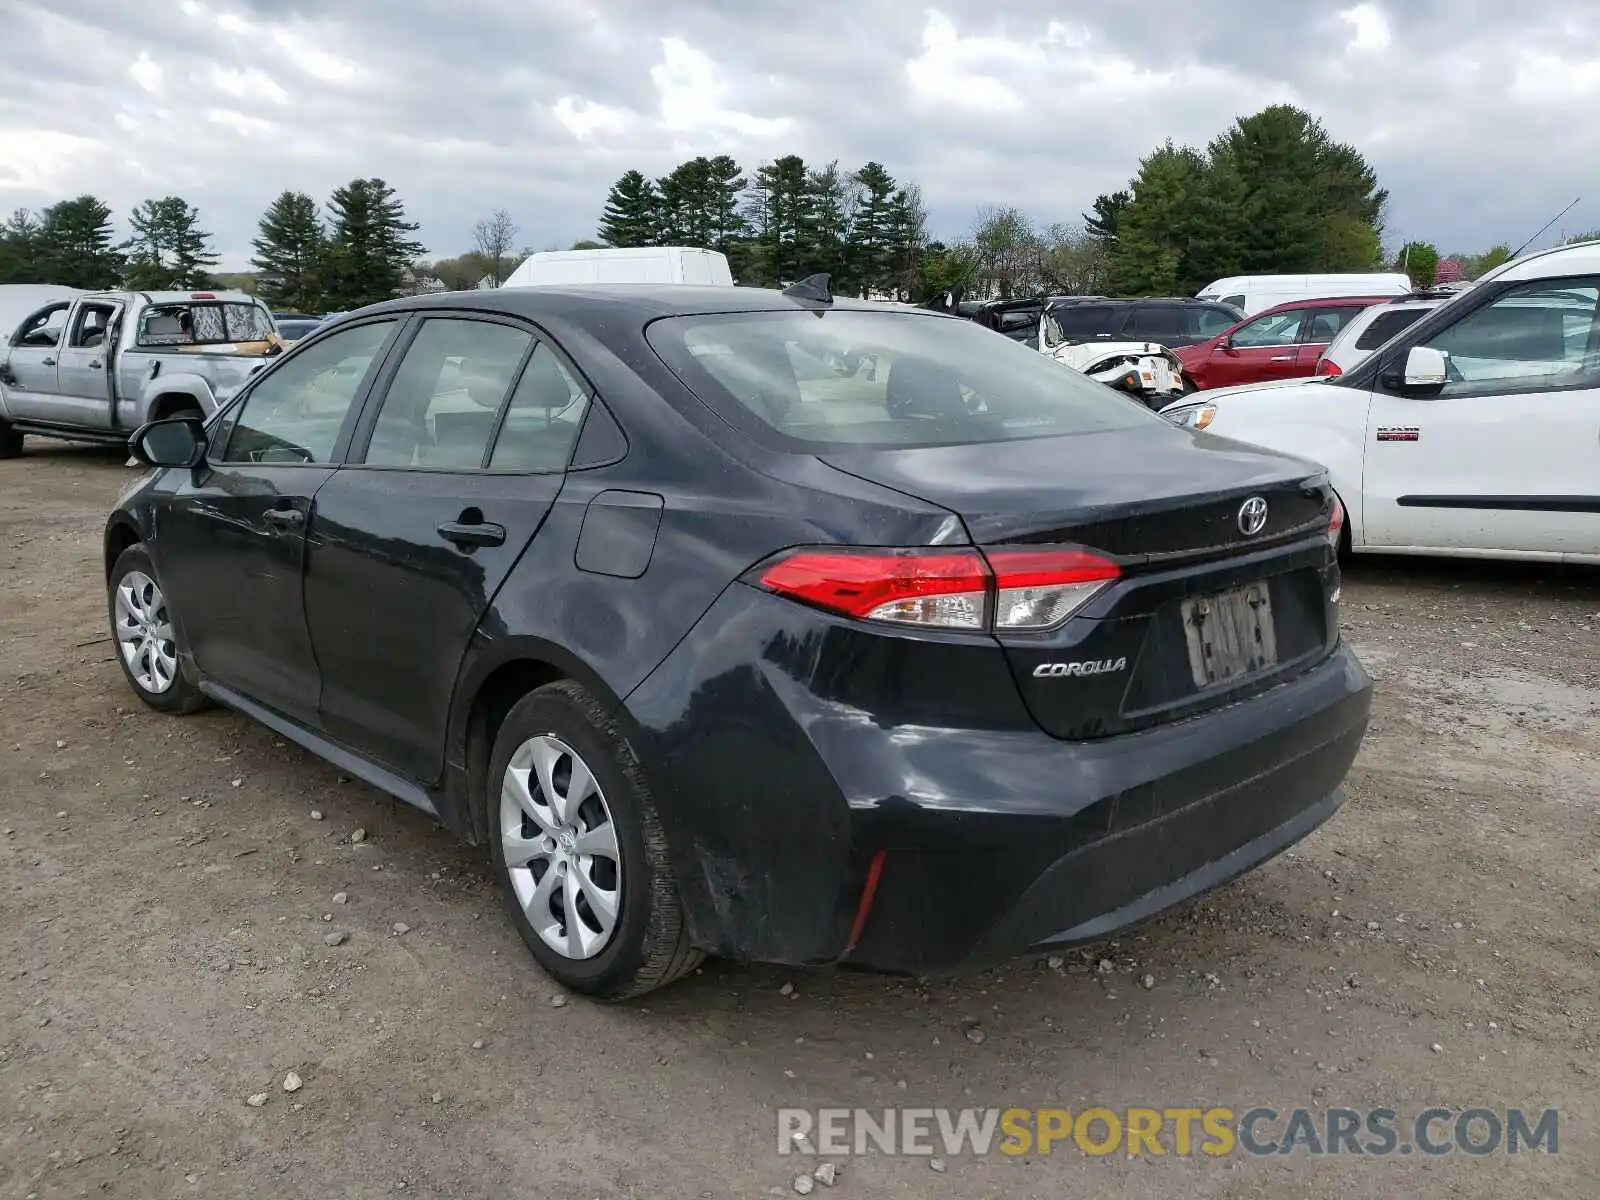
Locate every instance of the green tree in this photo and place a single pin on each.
(586, 244)
(1349, 244)
(75, 237)
(370, 251)
(832, 204)
(291, 252)
(168, 248)
(781, 208)
(725, 183)
(1420, 260)
(871, 247)
(943, 268)
(1592, 235)
(631, 217)
(1107, 215)
(908, 242)
(22, 257)
(1481, 264)
(1151, 255)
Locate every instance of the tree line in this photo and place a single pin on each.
(781, 222)
(361, 252)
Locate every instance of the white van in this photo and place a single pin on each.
(639, 264)
(1254, 293)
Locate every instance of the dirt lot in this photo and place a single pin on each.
(168, 887)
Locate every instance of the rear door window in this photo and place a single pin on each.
(1385, 325)
(1325, 323)
(1275, 329)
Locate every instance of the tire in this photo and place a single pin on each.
(139, 613)
(551, 733)
(10, 441)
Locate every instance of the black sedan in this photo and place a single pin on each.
(752, 623)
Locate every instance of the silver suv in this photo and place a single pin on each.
(1372, 327)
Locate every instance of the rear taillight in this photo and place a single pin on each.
(1327, 367)
(1336, 523)
(1006, 589)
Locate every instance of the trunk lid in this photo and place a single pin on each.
(1204, 613)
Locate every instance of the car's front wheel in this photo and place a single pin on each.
(147, 637)
(579, 851)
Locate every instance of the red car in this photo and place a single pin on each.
(1283, 342)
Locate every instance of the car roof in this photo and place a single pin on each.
(1324, 302)
(596, 303)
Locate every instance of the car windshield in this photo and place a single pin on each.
(848, 377)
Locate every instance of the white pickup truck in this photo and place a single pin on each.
(1473, 432)
(96, 366)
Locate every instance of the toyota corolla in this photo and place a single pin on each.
(768, 625)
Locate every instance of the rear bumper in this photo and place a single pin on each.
(995, 838)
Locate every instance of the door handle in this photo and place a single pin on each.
(49, 362)
(284, 518)
(95, 364)
(1283, 358)
(468, 535)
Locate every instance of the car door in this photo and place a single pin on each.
(83, 369)
(30, 376)
(458, 460)
(1260, 350)
(230, 543)
(1505, 455)
(1321, 326)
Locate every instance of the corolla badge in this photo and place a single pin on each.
(1252, 516)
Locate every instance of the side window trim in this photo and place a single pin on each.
(372, 402)
(216, 456)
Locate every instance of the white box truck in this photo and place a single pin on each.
(641, 264)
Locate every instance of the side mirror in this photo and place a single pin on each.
(1225, 342)
(1424, 370)
(179, 442)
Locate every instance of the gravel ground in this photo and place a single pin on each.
(174, 890)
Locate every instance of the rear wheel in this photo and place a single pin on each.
(147, 637)
(10, 441)
(579, 851)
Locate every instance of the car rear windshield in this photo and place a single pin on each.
(214, 324)
(1385, 325)
(849, 377)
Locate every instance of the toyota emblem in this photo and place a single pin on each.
(1252, 516)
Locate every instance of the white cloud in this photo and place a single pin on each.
(247, 83)
(692, 93)
(1369, 29)
(147, 73)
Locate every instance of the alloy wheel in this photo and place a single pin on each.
(144, 633)
(560, 847)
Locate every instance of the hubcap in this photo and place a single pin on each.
(560, 847)
(144, 633)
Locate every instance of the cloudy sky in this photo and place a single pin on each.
(1478, 114)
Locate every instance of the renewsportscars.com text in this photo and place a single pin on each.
(1177, 1131)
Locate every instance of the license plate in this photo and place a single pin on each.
(1230, 635)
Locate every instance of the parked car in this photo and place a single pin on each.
(97, 366)
(724, 642)
(1253, 294)
(1148, 372)
(1474, 432)
(1281, 343)
(292, 329)
(1172, 322)
(1372, 327)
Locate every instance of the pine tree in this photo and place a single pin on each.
(22, 249)
(725, 181)
(168, 249)
(831, 201)
(291, 253)
(783, 189)
(872, 230)
(370, 252)
(631, 216)
(908, 239)
(1108, 210)
(76, 247)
